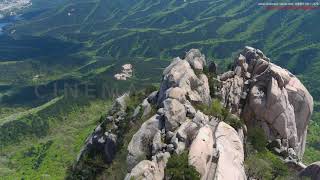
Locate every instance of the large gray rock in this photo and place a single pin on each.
(174, 113)
(196, 59)
(146, 170)
(200, 118)
(177, 93)
(120, 103)
(185, 135)
(139, 146)
(280, 100)
(268, 96)
(312, 171)
(150, 170)
(146, 107)
(181, 74)
(231, 93)
(231, 154)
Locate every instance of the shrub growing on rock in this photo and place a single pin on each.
(257, 139)
(217, 110)
(265, 165)
(179, 169)
(260, 162)
(214, 109)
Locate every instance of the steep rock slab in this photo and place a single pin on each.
(231, 154)
(201, 151)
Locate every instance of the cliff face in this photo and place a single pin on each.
(256, 90)
(270, 97)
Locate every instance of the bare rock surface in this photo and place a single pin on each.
(231, 154)
(138, 148)
(268, 96)
(126, 72)
(180, 73)
(201, 151)
(174, 113)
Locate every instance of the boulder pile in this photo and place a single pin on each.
(179, 126)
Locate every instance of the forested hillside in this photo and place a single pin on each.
(87, 41)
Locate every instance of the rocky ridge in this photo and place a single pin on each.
(261, 93)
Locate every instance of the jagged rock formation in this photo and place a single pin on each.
(183, 127)
(258, 91)
(102, 141)
(126, 72)
(180, 73)
(268, 96)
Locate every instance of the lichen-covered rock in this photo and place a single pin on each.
(231, 154)
(152, 98)
(231, 93)
(139, 146)
(174, 113)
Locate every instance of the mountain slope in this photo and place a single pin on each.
(87, 42)
(163, 29)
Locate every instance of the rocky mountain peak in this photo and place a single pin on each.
(183, 116)
(270, 97)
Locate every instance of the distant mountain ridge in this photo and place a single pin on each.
(164, 28)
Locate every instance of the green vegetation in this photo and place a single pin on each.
(265, 165)
(217, 110)
(90, 45)
(212, 81)
(93, 166)
(48, 156)
(312, 152)
(214, 109)
(118, 168)
(179, 169)
(257, 138)
(260, 163)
